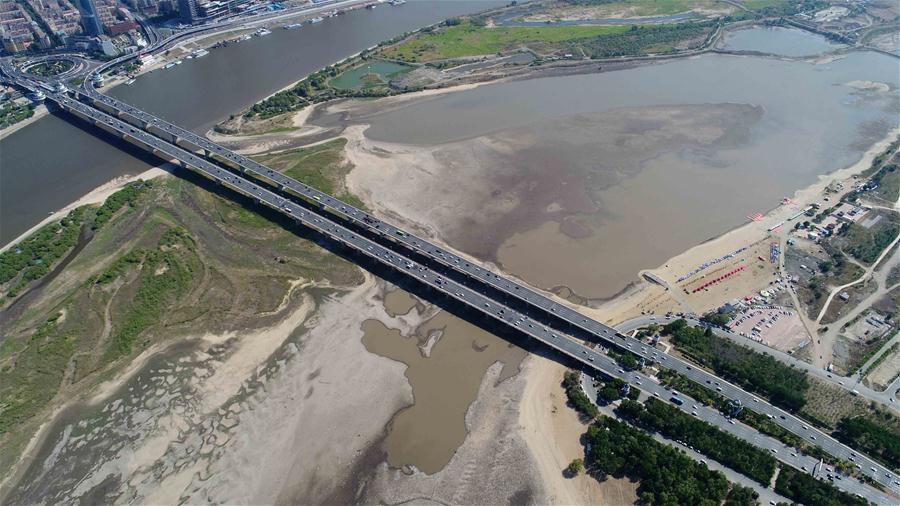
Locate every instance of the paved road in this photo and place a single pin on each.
(847, 383)
(765, 494)
(785, 454)
(437, 262)
(542, 308)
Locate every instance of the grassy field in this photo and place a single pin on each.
(10, 114)
(323, 167)
(635, 8)
(180, 261)
(467, 39)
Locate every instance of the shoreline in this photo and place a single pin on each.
(96, 196)
(39, 112)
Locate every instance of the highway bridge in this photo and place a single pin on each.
(501, 299)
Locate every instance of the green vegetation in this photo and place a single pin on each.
(876, 441)
(647, 39)
(187, 260)
(595, 41)
(715, 318)
(612, 390)
(667, 475)
(313, 89)
(120, 267)
(780, 8)
(33, 258)
(322, 166)
(369, 75)
(466, 39)
(803, 488)
(51, 68)
(782, 385)
(33, 381)
(741, 496)
(11, 113)
(577, 398)
(865, 244)
(888, 182)
(575, 467)
(126, 196)
(889, 352)
(726, 449)
(645, 7)
(165, 275)
(626, 359)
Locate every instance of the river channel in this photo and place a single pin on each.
(52, 163)
(582, 181)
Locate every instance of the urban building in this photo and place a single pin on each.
(189, 10)
(90, 18)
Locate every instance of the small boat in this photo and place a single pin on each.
(293, 26)
(129, 82)
(315, 20)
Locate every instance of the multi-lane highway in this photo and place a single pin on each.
(851, 384)
(538, 306)
(517, 306)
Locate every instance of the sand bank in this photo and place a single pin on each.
(96, 196)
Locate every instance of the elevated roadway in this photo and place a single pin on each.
(490, 294)
(443, 262)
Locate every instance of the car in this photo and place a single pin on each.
(773, 450)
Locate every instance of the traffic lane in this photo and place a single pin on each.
(335, 231)
(765, 494)
(800, 428)
(364, 245)
(782, 452)
(527, 295)
(847, 383)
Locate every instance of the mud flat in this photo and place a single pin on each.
(582, 190)
(446, 359)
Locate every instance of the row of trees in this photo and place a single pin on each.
(313, 89)
(667, 475)
(33, 258)
(801, 487)
(641, 39)
(671, 422)
(866, 436)
(783, 385)
(577, 397)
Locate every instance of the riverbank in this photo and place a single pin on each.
(39, 112)
(95, 196)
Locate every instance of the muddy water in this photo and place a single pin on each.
(595, 177)
(399, 302)
(780, 41)
(446, 359)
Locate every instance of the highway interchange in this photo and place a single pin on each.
(520, 307)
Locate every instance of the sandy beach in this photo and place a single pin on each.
(96, 196)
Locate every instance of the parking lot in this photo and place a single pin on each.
(773, 326)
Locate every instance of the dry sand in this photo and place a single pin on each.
(96, 196)
(552, 431)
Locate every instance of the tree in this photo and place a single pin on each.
(575, 468)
